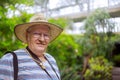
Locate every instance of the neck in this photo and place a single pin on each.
(36, 52)
(33, 54)
(43, 59)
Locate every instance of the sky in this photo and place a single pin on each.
(53, 3)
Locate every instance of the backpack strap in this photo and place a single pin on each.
(15, 64)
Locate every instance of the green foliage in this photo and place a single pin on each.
(70, 73)
(99, 69)
(67, 47)
(116, 58)
(60, 21)
(7, 25)
(67, 53)
(97, 43)
(14, 2)
(99, 18)
(7, 33)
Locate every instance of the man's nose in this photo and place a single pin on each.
(41, 38)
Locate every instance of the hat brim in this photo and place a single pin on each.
(20, 30)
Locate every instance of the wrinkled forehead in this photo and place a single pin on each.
(38, 26)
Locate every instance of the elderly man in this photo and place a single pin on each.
(33, 61)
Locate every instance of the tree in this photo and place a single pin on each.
(9, 7)
(98, 34)
(97, 39)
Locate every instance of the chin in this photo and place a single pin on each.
(41, 49)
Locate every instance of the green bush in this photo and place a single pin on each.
(67, 53)
(99, 69)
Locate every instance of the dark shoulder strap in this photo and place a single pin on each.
(15, 64)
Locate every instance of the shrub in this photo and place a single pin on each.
(99, 69)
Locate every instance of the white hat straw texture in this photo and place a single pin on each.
(20, 29)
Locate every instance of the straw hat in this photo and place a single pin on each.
(20, 29)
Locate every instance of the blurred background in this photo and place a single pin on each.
(89, 46)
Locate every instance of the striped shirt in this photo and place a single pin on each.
(28, 69)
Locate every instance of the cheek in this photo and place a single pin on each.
(29, 39)
(48, 41)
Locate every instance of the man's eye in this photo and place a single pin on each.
(46, 35)
(35, 33)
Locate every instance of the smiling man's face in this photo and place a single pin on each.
(38, 38)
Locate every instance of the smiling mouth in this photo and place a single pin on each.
(41, 45)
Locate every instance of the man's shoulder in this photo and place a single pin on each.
(19, 51)
(9, 56)
(50, 57)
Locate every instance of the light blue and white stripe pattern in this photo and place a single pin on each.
(28, 69)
